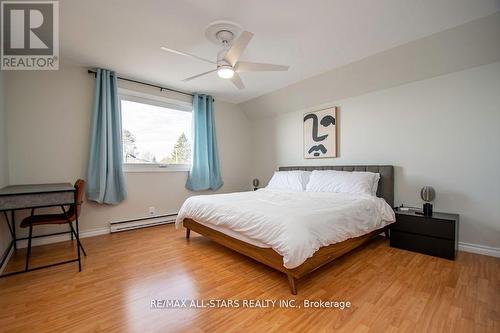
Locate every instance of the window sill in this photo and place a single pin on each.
(134, 168)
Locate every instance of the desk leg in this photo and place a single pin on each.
(78, 246)
(28, 251)
(77, 235)
(12, 229)
(13, 221)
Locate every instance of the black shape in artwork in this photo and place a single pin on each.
(317, 148)
(327, 121)
(315, 136)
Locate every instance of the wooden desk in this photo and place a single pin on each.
(18, 197)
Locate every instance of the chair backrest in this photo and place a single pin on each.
(80, 190)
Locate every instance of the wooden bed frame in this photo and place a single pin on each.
(324, 255)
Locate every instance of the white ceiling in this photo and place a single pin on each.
(311, 36)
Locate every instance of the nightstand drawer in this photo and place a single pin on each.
(438, 247)
(425, 226)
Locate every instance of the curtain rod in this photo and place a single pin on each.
(148, 84)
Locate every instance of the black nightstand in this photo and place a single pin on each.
(436, 235)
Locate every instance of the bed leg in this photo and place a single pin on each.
(188, 232)
(291, 282)
(386, 233)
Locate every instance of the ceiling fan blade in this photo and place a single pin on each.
(197, 76)
(243, 66)
(238, 47)
(237, 81)
(187, 55)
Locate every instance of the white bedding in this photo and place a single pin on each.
(294, 224)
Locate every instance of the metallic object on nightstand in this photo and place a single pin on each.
(255, 183)
(428, 194)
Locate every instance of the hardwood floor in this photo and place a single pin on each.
(390, 289)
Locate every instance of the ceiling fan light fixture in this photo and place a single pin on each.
(228, 65)
(225, 72)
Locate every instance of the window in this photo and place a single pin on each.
(156, 132)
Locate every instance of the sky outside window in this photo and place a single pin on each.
(155, 134)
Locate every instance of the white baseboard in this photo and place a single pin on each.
(479, 249)
(142, 222)
(62, 238)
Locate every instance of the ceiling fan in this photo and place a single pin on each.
(228, 64)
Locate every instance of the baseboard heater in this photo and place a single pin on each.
(142, 222)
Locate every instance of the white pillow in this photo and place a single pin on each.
(375, 183)
(294, 181)
(355, 182)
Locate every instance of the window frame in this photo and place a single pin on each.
(140, 97)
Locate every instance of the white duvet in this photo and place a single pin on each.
(294, 224)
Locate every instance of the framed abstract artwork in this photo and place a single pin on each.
(320, 133)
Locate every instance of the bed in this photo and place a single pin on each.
(294, 233)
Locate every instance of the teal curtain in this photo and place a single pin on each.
(205, 171)
(105, 179)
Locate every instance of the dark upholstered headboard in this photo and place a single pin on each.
(385, 185)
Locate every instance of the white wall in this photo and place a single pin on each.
(443, 132)
(4, 174)
(49, 117)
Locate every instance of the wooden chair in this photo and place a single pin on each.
(68, 216)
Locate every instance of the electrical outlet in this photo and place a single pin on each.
(151, 211)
